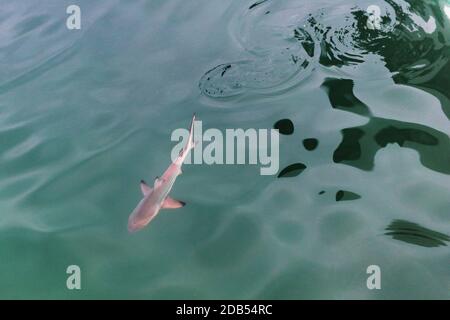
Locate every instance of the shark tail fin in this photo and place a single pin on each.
(191, 144)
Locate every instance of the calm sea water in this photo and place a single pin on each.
(85, 114)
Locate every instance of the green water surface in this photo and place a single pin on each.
(364, 175)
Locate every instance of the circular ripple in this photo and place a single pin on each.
(410, 45)
(279, 55)
(347, 36)
(284, 40)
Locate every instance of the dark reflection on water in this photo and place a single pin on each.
(438, 86)
(413, 38)
(392, 134)
(292, 170)
(417, 56)
(415, 234)
(285, 126)
(310, 144)
(256, 4)
(343, 195)
(340, 93)
(329, 43)
(411, 43)
(360, 144)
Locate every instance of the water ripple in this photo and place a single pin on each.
(277, 57)
(284, 41)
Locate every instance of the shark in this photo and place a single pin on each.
(157, 198)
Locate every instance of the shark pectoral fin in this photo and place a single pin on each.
(170, 203)
(145, 188)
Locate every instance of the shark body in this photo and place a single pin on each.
(157, 198)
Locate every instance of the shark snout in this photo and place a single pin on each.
(134, 225)
(132, 228)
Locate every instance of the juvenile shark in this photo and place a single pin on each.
(157, 198)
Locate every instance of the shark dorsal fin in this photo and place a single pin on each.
(145, 188)
(170, 203)
(158, 182)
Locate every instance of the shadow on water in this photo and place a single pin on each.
(415, 234)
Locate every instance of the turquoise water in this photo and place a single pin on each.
(364, 173)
